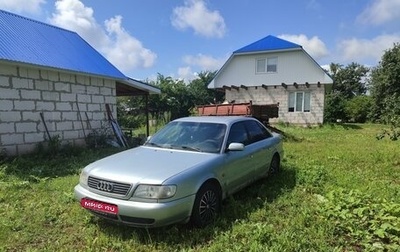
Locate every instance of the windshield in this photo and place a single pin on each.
(193, 136)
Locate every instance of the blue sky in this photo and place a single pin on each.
(183, 37)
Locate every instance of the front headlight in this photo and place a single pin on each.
(83, 178)
(155, 191)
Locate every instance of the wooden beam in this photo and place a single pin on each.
(295, 85)
(235, 87)
(284, 85)
(243, 86)
(307, 84)
(226, 87)
(264, 86)
(319, 84)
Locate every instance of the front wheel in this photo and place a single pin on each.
(207, 205)
(275, 165)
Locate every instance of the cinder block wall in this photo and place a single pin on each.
(279, 94)
(26, 92)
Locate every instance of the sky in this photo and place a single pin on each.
(181, 38)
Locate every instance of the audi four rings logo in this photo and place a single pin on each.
(105, 186)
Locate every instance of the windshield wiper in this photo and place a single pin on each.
(185, 147)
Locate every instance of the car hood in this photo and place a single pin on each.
(146, 164)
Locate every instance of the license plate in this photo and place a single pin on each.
(99, 206)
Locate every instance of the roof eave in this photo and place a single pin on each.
(150, 89)
(61, 70)
(268, 51)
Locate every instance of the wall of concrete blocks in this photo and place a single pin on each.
(72, 106)
(279, 94)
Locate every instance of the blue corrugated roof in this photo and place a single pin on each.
(269, 43)
(32, 42)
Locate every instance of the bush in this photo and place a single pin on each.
(392, 118)
(132, 121)
(358, 108)
(334, 109)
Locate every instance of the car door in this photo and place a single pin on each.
(238, 170)
(260, 145)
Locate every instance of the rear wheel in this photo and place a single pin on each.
(275, 165)
(207, 205)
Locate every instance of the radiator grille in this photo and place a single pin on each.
(109, 186)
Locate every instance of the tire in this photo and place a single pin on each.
(207, 205)
(275, 165)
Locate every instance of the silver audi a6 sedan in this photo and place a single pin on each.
(182, 173)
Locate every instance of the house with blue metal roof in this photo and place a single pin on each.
(53, 83)
(273, 71)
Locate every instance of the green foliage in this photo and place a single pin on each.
(334, 109)
(313, 177)
(384, 81)
(342, 102)
(131, 111)
(358, 108)
(52, 146)
(385, 91)
(349, 80)
(393, 133)
(362, 221)
(199, 92)
(177, 99)
(132, 121)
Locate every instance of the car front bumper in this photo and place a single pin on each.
(141, 214)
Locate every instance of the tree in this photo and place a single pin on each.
(200, 93)
(385, 91)
(357, 108)
(385, 85)
(174, 98)
(335, 105)
(348, 83)
(177, 99)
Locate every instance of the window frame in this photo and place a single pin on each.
(263, 65)
(293, 103)
(274, 63)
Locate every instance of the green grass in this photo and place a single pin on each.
(339, 190)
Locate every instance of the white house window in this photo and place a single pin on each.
(260, 66)
(299, 102)
(272, 65)
(267, 65)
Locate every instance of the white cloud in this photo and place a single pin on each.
(359, 50)
(201, 63)
(186, 74)
(314, 46)
(22, 6)
(112, 40)
(380, 12)
(75, 16)
(126, 51)
(195, 14)
(205, 62)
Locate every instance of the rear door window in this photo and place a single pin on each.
(256, 131)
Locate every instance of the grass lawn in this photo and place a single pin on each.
(339, 190)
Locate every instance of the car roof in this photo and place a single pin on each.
(214, 119)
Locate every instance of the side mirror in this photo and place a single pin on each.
(236, 147)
